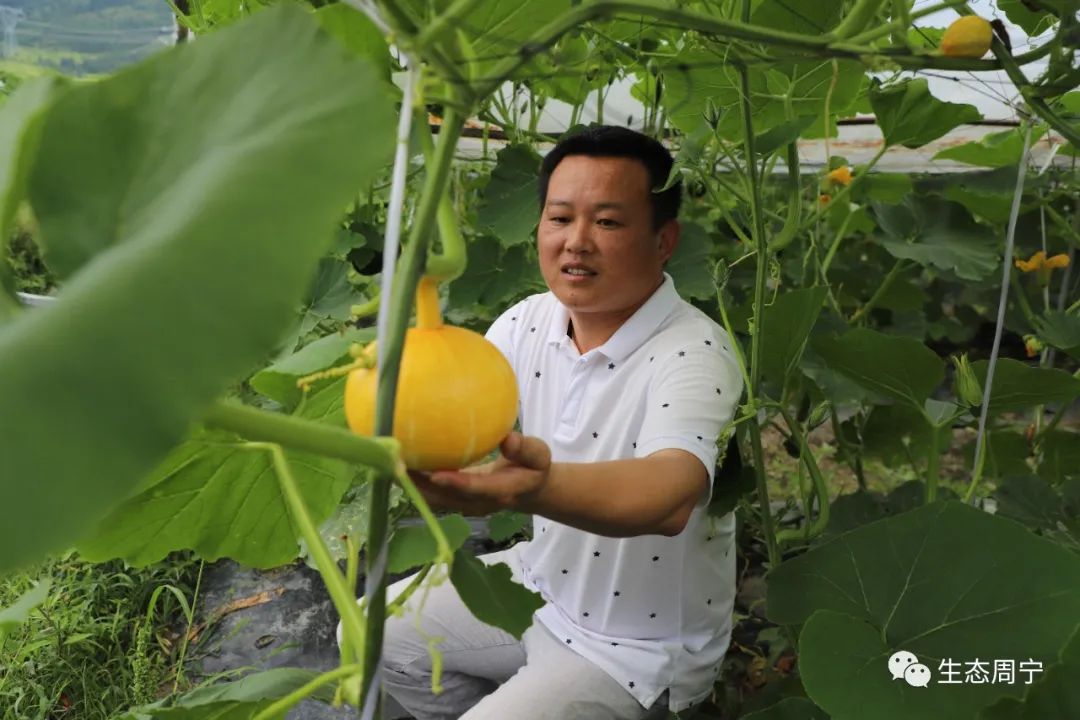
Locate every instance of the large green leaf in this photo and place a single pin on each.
(1036, 503)
(792, 708)
(701, 77)
(1018, 385)
(491, 594)
(411, 547)
(945, 582)
(20, 128)
(787, 323)
(900, 434)
(1054, 695)
(239, 700)
(197, 212)
(509, 208)
(1060, 330)
(994, 150)
(1021, 12)
(691, 264)
(18, 612)
(909, 115)
(356, 32)
(938, 233)
(897, 367)
(278, 380)
(1060, 455)
(796, 17)
(220, 498)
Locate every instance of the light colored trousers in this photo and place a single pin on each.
(490, 675)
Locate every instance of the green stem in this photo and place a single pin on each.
(762, 262)
(901, 21)
(821, 487)
(380, 453)
(897, 268)
(453, 17)
(1021, 296)
(451, 262)
(933, 461)
(735, 347)
(1072, 308)
(404, 290)
(861, 15)
(794, 209)
(344, 600)
(278, 708)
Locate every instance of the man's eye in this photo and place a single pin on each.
(559, 219)
(607, 222)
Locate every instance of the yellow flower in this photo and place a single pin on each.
(1039, 261)
(1033, 346)
(840, 176)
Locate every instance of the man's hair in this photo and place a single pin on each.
(619, 142)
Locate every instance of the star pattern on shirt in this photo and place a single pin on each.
(596, 553)
(537, 373)
(611, 366)
(652, 615)
(708, 342)
(682, 353)
(665, 405)
(595, 436)
(532, 329)
(655, 558)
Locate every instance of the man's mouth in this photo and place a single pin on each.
(577, 271)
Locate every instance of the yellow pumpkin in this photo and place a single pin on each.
(457, 396)
(967, 37)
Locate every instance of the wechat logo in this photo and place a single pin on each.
(904, 665)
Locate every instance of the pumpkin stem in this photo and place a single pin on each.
(428, 316)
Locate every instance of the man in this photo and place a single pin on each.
(625, 389)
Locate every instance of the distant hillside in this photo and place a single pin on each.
(88, 36)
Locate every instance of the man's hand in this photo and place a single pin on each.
(511, 482)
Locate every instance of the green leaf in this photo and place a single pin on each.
(358, 34)
(883, 187)
(220, 498)
(1020, 13)
(1060, 456)
(861, 507)
(239, 700)
(1060, 330)
(278, 381)
(691, 264)
(20, 131)
(492, 596)
(330, 296)
(1032, 501)
(786, 325)
(242, 149)
(943, 581)
(17, 613)
(504, 524)
(993, 150)
(910, 116)
(1005, 454)
(796, 17)
(412, 547)
(1055, 695)
(782, 135)
(898, 367)
(350, 518)
(509, 206)
(937, 233)
(897, 434)
(1018, 386)
(792, 708)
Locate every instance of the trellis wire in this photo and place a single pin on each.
(1006, 272)
(391, 244)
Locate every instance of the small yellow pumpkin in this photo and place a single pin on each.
(457, 396)
(967, 37)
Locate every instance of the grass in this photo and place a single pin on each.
(88, 651)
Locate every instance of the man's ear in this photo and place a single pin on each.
(669, 239)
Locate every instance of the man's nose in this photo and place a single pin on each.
(578, 238)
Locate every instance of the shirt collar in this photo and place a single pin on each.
(635, 331)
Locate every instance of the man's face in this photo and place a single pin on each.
(598, 250)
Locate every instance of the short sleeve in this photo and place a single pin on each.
(690, 400)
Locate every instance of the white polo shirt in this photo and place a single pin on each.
(654, 612)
